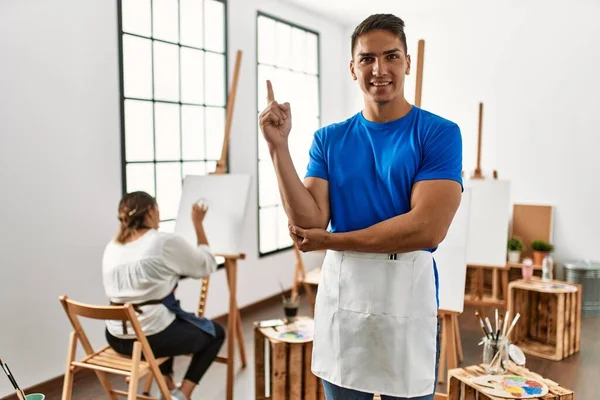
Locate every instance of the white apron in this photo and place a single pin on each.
(376, 323)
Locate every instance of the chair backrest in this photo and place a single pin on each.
(75, 309)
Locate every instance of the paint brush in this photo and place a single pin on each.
(12, 380)
(489, 326)
(506, 319)
(282, 290)
(496, 316)
(500, 328)
(512, 324)
(481, 325)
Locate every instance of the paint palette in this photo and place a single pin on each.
(511, 387)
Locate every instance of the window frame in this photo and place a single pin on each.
(259, 14)
(153, 100)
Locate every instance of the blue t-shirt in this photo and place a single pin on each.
(371, 167)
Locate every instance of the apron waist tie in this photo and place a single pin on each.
(173, 305)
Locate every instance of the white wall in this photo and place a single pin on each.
(60, 166)
(533, 66)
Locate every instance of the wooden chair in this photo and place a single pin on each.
(106, 360)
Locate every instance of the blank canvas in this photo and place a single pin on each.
(227, 198)
(489, 222)
(450, 258)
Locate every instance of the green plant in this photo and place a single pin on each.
(515, 244)
(540, 245)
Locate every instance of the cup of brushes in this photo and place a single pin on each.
(495, 341)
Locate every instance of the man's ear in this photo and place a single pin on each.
(352, 70)
(407, 64)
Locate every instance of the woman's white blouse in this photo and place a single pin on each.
(148, 269)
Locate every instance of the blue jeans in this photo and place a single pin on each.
(334, 392)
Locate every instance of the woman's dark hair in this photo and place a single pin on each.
(133, 209)
(386, 22)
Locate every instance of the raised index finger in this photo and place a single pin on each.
(270, 95)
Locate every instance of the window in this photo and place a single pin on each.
(173, 94)
(288, 55)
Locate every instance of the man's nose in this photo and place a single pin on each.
(379, 68)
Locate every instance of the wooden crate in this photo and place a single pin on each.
(461, 387)
(550, 324)
(288, 368)
(486, 285)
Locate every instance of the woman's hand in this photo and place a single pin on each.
(198, 214)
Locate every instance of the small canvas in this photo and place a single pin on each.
(450, 258)
(227, 198)
(489, 222)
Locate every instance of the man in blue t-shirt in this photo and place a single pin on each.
(388, 181)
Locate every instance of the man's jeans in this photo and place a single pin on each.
(333, 392)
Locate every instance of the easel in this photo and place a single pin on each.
(476, 296)
(234, 320)
(450, 344)
(300, 278)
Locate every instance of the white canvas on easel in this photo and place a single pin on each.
(227, 198)
(489, 222)
(450, 258)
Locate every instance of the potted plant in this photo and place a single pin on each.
(515, 246)
(540, 249)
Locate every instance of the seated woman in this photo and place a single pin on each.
(142, 266)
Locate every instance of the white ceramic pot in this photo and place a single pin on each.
(514, 256)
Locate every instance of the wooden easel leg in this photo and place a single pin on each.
(450, 341)
(240, 338)
(232, 275)
(459, 350)
(232, 319)
(442, 362)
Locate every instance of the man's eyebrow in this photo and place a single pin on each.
(384, 53)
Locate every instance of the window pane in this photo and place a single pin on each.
(214, 23)
(311, 65)
(137, 67)
(298, 49)
(263, 149)
(168, 188)
(264, 73)
(211, 166)
(136, 16)
(266, 40)
(194, 168)
(282, 79)
(268, 191)
(167, 131)
(140, 177)
(190, 14)
(283, 54)
(312, 91)
(283, 235)
(165, 18)
(192, 120)
(167, 226)
(215, 79)
(215, 129)
(139, 144)
(268, 229)
(166, 71)
(192, 76)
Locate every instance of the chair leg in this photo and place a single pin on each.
(136, 356)
(68, 381)
(148, 384)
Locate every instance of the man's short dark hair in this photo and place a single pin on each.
(387, 22)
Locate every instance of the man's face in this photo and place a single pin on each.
(380, 64)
